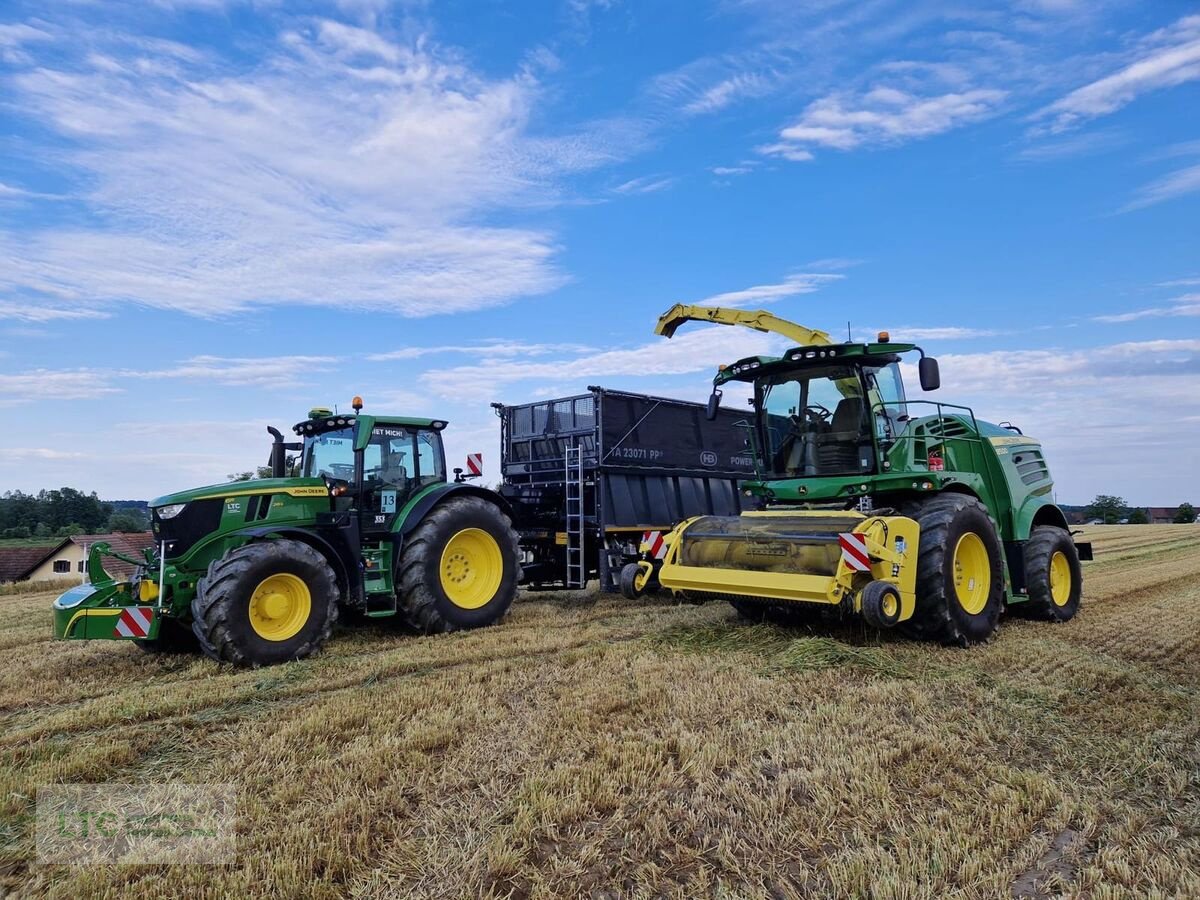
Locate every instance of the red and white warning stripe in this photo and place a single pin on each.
(134, 622)
(854, 551)
(657, 546)
(475, 463)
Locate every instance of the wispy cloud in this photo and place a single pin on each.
(40, 385)
(648, 184)
(346, 170)
(265, 372)
(487, 350)
(24, 313)
(793, 285)
(1166, 58)
(744, 168)
(939, 333)
(1176, 184)
(1186, 306)
(1085, 144)
(883, 115)
(696, 351)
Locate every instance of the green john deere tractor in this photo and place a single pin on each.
(364, 520)
(910, 513)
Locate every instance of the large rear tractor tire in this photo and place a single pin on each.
(173, 637)
(459, 568)
(1052, 575)
(960, 577)
(265, 603)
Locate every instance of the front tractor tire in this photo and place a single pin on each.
(1053, 576)
(459, 567)
(960, 577)
(265, 603)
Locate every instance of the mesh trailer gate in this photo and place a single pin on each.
(587, 475)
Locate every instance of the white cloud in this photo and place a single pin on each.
(744, 168)
(1176, 184)
(743, 85)
(267, 372)
(646, 185)
(24, 453)
(939, 333)
(23, 313)
(341, 169)
(793, 285)
(17, 33)
(1169, 57)
(1187, 305)
(883, 115)
(697, 351)
(1140, 395)
(490, 349)
(41, 385)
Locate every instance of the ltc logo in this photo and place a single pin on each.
(708, 458)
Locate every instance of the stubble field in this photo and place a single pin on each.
(594, 747)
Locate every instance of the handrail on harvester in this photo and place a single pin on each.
(759, 320)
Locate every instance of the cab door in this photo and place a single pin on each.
(389, 467)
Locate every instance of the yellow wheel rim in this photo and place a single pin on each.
(644, 572)
(280, 606)
(471, 568)
(890, 605)
(1060, 579)
(972, 573)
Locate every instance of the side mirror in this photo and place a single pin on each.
(714, 403)
(931, 378)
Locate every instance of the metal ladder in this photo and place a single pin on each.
(576, 575)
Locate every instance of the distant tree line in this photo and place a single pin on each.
(1111, 510)
(67, 511)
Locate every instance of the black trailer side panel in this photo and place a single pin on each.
(656, 502)
(657, 433)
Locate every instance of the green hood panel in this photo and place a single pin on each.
(297, 487)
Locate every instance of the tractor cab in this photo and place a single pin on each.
(828, 410)
(373, 464)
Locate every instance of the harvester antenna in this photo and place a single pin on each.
(849, 333)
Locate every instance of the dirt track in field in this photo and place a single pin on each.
(589, 746)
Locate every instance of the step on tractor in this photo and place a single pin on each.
(910, 513)
(361, 521)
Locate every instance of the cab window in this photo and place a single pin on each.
(430, 466)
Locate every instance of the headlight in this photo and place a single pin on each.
(170, 512)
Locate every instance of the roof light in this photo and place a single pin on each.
(357, 403)
(884, 337)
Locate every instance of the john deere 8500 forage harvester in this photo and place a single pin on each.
(911, 513)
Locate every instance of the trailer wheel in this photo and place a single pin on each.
(173, 637)
(960, 578)
(1052, 575)
(634, 578)
(880, 605)
(265, 603)
(460, 567)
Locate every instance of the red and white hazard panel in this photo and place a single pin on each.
(134, 622)
(657, 546)
(854, 551)
(475, 463)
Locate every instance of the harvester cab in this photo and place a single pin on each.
(362, 520)
(911, 513)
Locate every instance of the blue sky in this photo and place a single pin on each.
(215, 214)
